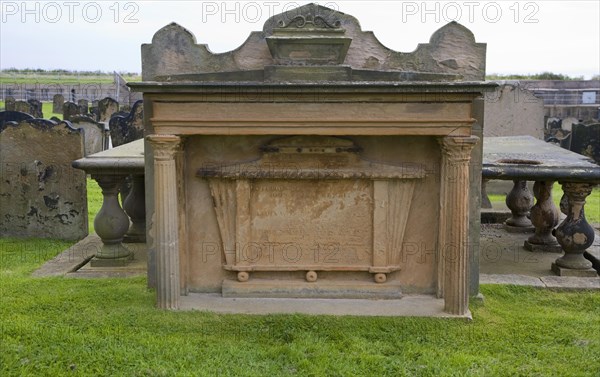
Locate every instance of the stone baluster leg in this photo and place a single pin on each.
(544, 216)
(166, 223)
(519, 200)
(135, 207)
(453, 238)
(574, 234)
(111, 223)
(485, 200)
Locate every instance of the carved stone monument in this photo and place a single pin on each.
(125, 129)
(41, 194)
(94, 133)
(57, 103)
(312, 161)
(70, 110)
(106, 108)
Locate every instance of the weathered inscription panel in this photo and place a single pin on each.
(321, 223)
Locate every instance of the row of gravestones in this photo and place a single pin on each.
(100, 111)
(41, 194)
(32, 106)
(576, 136)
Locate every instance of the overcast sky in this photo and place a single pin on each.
(522, 36)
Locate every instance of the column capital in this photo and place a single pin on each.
(458, 148)
(165, 146)
(577, 191)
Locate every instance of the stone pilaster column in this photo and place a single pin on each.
(166, 229)
(485, 200)
(453, 247)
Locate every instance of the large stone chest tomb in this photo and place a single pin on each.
(312, 161)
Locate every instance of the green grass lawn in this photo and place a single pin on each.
(592, 206)
(48, 78)
(109, 327)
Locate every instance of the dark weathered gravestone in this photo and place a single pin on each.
(70, 109)
(125, 129)
(585, 140)
(93, 133)
(83, 106)
(12, 116)
(57, 103)
(41, 194)
(35, 108)
(22, 107)
(9, 103)
(106, 108)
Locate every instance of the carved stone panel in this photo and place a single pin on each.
(311, 203)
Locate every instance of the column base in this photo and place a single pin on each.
(586, 273)
(134, 238)
(540, 247)
(118, 262)
(113, 251)
(519, 229)
(136, 233)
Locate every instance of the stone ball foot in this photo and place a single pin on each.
(380, 278)
(243, 276)
(311, 276)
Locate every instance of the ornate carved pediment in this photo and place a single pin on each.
(314, 35)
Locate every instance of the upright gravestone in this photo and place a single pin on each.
(585, 140)
(106, 108)
(10, 104)
(41, 194)
(12, 117)
(125, 129)
(513, 111)
(83, 106)
(22, 107)
(35, 108)
(70, 110)
(57, 103)
(93, 133)
(94, 109)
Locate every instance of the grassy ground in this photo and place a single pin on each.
(60, 326)
(592, 206)
(48, 78)
(94, 196)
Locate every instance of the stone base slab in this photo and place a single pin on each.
(552, 248)
(561, 271)
(408, 306)
(494, 216)
(519, 229)
(263, 288)
(117, 262)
